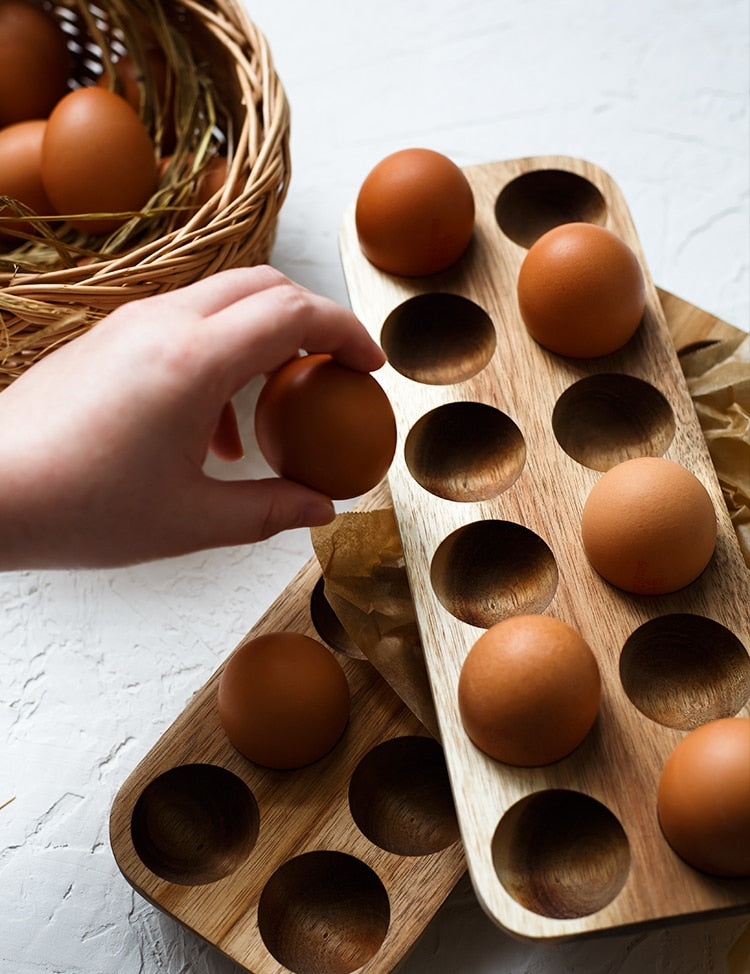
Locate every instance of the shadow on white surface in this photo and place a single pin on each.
(462, 940)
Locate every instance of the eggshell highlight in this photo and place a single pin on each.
(414, 213)
(326, 426)
(283, 700)
(649, 526)
(529, 690)
(581, 291)
(704, 797)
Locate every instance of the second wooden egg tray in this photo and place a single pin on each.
(500, 444)
(327, 869)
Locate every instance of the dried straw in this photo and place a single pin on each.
(55, 282)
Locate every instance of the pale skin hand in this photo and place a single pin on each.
(103, 442)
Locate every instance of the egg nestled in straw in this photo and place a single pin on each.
(97, 158)
(414, 213)
(581, 291)
(21, 175)
(34, 62)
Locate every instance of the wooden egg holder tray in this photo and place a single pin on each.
(291, 871)
(500, 443)
(331, 868)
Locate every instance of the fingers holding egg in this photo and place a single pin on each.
(326, 426)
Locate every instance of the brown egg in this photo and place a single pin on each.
(34, 62)
(649, 526)
(703, 799)
(97, 157)
(21, 173)
(529, 690)
(581, 291)
(414, 213)
(326, 426)
(283, 700)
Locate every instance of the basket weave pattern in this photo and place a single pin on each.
(227, 100)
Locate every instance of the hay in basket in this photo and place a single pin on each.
(226, 100)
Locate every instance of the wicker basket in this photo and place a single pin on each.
(227, 101)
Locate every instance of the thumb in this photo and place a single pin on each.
(245, 511)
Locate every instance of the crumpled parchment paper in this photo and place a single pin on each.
(718, 377)
(366, 585)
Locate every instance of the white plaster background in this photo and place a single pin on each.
(96, 665)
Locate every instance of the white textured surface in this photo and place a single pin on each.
(96, 665)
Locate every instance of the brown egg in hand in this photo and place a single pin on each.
(414, 213)
(326, 426)
(581, 291)
(529, 690)
(649, 526)
(283, 700)
(704, 797)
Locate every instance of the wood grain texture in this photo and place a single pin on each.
(638, 877)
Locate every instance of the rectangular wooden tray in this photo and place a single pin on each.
(573, 847)
(270, 866)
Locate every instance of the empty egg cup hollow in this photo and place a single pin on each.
(489, 570)
(328, 626)
(195, 824)
(561, 854)
(323, 912)
(465, 451)
(438, 338)
(400, 797)
(607, 418)
(683, 670)
(537, 201)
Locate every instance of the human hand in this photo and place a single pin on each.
(103, 442)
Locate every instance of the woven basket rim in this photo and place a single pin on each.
(39, 310)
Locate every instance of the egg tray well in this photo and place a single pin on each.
(331, 868)
(500, 443)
